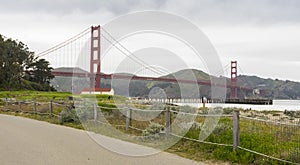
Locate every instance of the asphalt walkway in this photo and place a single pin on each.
(30, 142)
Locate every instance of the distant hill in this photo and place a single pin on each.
(189, 74)
(268, 88)
(66, 84)
(70, 70)
(276, 89)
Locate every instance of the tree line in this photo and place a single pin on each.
(20, 69)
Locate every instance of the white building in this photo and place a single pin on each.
(107, 91)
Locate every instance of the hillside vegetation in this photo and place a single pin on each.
(276, 89)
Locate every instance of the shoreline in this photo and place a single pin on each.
(278, 105)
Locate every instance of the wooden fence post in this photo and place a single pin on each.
(168, 121)
(236, 130)
(34, 106)
(95, 112)
(19, 103)
(128, 117)
(51, 107)
(6, 104)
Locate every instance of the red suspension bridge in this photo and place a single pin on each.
(84, 51)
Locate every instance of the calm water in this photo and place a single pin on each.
(279, 105)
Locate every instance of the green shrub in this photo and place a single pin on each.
(68, 116)
(227, 110)
(222, 128)
(276, 114)
(292, 114)
(252, 115)
(203, 111)
(84, 114)
(152, 130)
(196, 126)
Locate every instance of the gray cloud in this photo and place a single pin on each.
(59, 7)
(213, 11)
(239, 11)
(218, 11)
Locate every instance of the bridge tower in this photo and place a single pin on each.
(233, 80)
(95, 61)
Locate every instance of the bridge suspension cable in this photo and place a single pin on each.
(130, 54)
(63, 44)
(241, 70)
(225, 68)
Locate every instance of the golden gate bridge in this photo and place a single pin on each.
(86, 48)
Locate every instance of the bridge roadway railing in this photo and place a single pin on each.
(274, 135)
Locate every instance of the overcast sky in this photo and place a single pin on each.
(263, 35)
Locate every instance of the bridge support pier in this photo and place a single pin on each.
(95, 61)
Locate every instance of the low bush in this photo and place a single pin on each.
(68, 116)
(228, 110)
(292, 114)
(153, 130)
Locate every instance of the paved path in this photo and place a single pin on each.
(30, 142)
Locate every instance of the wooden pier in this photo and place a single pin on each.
(250, 101)
(209, 100)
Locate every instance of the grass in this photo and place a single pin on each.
(39, 96)
(47, 96)
(261, 140)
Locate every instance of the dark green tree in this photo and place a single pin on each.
(41, 71)
(15, 60)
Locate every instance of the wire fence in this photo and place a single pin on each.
(34, 107)
(271, 135)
